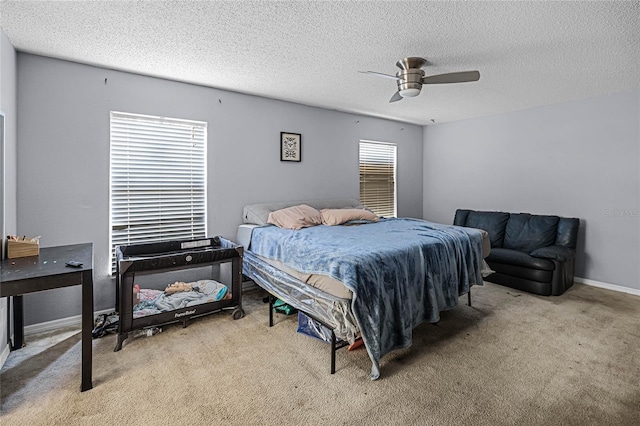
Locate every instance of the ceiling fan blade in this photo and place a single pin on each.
(452, 77)
(379, 74)
(396, 97)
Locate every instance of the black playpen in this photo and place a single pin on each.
(145, 298)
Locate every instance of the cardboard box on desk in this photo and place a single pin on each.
(23, 248)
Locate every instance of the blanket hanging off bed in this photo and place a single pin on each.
(402, 272)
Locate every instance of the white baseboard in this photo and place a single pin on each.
(608, 286)
(74, 321)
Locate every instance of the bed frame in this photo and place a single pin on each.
(335, 342)
(309, 300)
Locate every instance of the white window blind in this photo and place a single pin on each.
(158, 185)
(378, 177)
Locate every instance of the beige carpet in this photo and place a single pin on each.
(511, 359)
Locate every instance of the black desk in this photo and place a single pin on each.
(48, 271)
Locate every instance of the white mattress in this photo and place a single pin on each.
(321, 282)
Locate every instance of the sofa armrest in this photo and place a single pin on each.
(559, 253)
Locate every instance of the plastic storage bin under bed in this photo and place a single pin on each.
(176, 281)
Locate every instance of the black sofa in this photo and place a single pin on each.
(533, 253)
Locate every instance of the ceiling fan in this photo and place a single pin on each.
(411, 77)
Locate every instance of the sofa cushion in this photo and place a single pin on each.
(492, 222)
(528, 232)
(460, 219)
(557, 253)
(519, 258)
(521, 272)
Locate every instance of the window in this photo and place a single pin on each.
(378, 177)
(158, 185)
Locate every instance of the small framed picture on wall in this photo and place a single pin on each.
(290, 146)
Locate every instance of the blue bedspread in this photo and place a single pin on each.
(402, 272)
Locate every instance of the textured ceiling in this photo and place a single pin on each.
(528, 53)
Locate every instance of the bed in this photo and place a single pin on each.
(377, 280)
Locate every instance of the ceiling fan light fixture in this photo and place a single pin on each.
(411, 77)
(410, 82)
(409, 93)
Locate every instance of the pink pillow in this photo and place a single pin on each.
(295, 217)
(339, 216)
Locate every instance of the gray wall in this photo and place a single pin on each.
(8, 84)
(576, 159)
(63, 157)
(8, 105)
